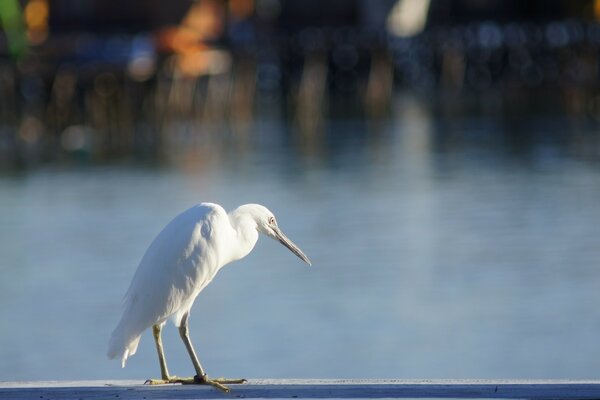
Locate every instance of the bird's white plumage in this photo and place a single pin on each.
(168, 278)
(182, 260)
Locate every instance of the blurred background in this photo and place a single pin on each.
(439, 162)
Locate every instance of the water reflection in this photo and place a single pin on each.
(90, 97)
(441, 250)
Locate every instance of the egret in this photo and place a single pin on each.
(184, 258)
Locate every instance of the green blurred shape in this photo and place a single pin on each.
(11, 20)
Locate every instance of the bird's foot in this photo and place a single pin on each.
(218, 383)
(171, 379)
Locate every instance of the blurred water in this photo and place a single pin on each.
(439, 252)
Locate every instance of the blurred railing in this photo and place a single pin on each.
(84, 97)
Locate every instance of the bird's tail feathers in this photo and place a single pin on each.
(122, 344)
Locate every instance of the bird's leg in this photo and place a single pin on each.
(164, 371)
(184, 332)
(201, 377)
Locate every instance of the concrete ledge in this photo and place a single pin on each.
(312, 388)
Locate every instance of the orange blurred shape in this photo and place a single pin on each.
(204, 21)
(206, 18)
(36, 20)
(190, 40)
(37, 37)
(597, 10)
(241, 9)
(179, 40)
(194, 64)
(36, 14)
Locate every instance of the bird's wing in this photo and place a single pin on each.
(176, 266)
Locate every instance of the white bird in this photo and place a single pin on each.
(184, 258)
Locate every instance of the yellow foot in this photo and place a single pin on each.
(172, 379)
(219, 383)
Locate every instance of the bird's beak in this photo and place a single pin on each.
(290, 245)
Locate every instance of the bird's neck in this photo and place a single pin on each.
(246, 235)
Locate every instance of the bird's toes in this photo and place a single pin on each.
(230, 381)
(183, 381)
(204, 380)
(170, 380)
(156, 382)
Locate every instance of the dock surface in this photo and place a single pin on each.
(309, 388)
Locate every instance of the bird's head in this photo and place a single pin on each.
(267, 225)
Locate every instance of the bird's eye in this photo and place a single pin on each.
(271, 220)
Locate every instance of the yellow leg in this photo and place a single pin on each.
(164, 371)
(201, 377)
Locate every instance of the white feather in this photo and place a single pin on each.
(181, 261)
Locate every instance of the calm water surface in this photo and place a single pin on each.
(438, 253)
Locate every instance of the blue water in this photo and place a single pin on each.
(438, 252)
